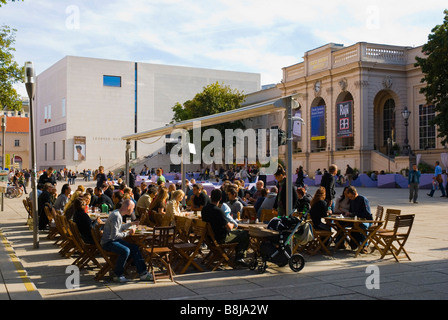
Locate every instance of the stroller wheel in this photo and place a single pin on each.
(253, 263)
(296, 262)
(262, 267)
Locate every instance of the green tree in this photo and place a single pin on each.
(215, 98)
(10, 72)
(5, 1)
(435, 69)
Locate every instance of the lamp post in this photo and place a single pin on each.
(3, 150)
(389, 145)
(128, 150)
(406, 113)
(30, 85)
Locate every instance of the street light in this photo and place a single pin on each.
(30, 85)
(406, 113)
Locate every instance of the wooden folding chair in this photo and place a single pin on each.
(28, 207)
(267, 215)
(187, 251)
(53, 231)
(390, 216)
(249, 213)
(87, 250)
(183, 228)
(399, 235)
(109, 257)
(219, 253)
(319, 243)
(379, 213)
(160, 251)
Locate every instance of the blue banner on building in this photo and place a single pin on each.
(318, 123)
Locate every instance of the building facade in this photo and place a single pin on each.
(85, 105)
(17, 140)
(352, 99)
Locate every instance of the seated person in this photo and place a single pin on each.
(114, 232)
(63, 197)
(83, 221)
(157, 209)
(233, 202)
(199, 198)
(359, 207)
(342, 204)
(146, 198)
(319, 210)
(268, 202)
(103, 199)
(229, 217)
(303, 200)
(224, 230)
(260, 199)
(173, 208)
(258, 193)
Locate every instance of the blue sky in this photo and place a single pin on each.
(246, 35)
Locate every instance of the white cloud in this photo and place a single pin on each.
(252, 35)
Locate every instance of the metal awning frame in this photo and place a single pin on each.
(268, 107)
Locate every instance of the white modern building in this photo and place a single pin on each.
(85, 105)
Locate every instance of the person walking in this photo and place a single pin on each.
(438, 178)
(349, 175)
(413, 183)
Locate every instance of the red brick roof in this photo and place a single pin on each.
(17, 124)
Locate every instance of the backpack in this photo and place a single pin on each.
(304, 233)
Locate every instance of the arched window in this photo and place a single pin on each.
(389, 121)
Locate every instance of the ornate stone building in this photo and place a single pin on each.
(352, 99)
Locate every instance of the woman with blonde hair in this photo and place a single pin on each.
(319, 209)
(173, 207)
(69, 209)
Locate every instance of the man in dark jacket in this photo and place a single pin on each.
(45, 199)
(280, 201)
(328, 183)
(48, 176)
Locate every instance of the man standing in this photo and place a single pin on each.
(413, 183)
(328, 183)
(223, 229)
(100, 177)
(438, 178)
(112, 240)
(349, 175)
(48, 176)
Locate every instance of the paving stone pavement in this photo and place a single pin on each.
(41, 274)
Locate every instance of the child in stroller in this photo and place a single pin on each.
(275, 247)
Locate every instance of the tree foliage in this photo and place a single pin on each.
(5, 1)
(10, 72)
(215, 98)
(435, 69)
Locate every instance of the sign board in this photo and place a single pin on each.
(318, 123)
(345, 119)
(79, 148)
(3, 180)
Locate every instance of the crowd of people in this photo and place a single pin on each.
(222, 207)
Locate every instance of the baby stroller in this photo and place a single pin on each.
(275, 243)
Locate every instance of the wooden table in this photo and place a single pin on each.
(346, 226)
(257, 233)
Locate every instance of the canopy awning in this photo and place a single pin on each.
(254, 110)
